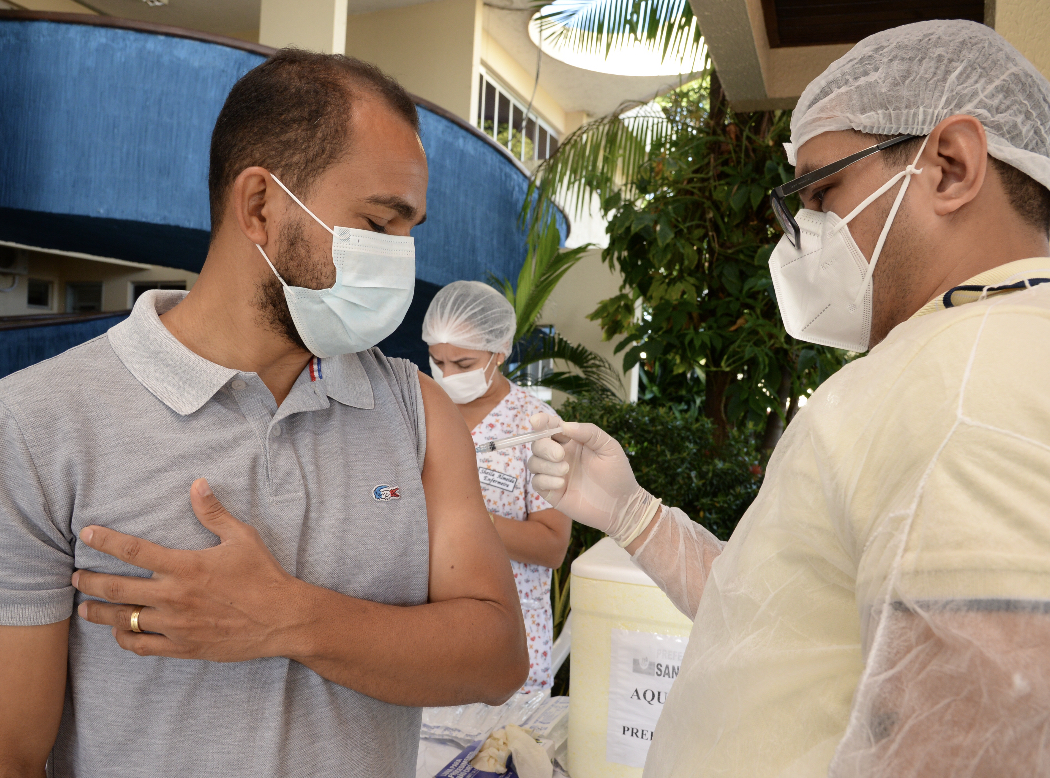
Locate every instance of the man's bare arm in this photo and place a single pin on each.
(542, 539)
(468, 643)
(32, 691)
(233, 602)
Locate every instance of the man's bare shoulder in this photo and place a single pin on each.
(442, 416)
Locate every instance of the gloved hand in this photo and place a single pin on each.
(585, 474)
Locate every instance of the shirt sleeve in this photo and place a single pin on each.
(953, 581)
(37, 560)
(965, 517)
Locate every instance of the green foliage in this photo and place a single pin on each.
(693, 240)
(601, 157)
(590, 374)
(659, 384)
(582, 370)
(559, 598)
(512, 139)
(673, 454)
(545, 265)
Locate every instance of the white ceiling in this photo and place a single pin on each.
(575, 89)
(506, 21)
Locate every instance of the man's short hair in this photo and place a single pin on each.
(1029, 198)
(291, 115)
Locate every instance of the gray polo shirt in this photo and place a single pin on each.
(113, 433)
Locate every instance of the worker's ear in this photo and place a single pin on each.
(956, 156)
(253, 202)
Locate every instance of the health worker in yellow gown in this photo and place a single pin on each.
(883, 607)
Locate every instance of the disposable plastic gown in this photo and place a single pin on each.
(883, 608)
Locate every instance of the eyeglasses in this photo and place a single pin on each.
(777, 198)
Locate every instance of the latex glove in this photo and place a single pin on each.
(585, 474)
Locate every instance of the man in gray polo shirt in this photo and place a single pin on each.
(275, 556)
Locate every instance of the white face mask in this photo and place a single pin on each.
(375, 278)
(463, 388)
(824, 287)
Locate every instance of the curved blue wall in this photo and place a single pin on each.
(104, 137)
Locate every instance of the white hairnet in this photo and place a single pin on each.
(473, 315)
(906, 80)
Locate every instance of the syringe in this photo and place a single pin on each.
(516, 440)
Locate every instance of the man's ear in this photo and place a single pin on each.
(252, 201)
(958, 155)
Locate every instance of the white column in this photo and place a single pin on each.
(432, 48)
(315, 25)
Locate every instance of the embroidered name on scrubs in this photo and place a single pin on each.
(497, 479)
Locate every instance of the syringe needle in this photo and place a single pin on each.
(515, 440)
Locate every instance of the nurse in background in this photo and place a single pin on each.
(469, 328)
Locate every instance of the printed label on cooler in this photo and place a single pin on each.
(642, 668)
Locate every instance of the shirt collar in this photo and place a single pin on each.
(1008, 273)
(185, 381)
(344, 379)
(176, 376)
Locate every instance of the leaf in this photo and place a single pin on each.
(667, 27)
(591, 372)
(738, 198)
(599, 159)
(764, 253)
(642, 220)
(545, 265)
(757, 193)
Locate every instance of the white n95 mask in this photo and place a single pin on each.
(375, 278)
(824, 287)
(463, 388)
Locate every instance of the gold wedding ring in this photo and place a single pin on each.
(135, 618)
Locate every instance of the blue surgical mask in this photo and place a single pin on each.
(375, 277)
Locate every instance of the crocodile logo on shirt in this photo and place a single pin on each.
(382, 493)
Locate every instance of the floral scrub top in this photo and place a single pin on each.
(507, 485)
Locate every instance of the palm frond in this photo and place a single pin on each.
(545, 265)
(667, 26)
(589, 373)
(594, 160)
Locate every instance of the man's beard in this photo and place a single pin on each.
(292, 260)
